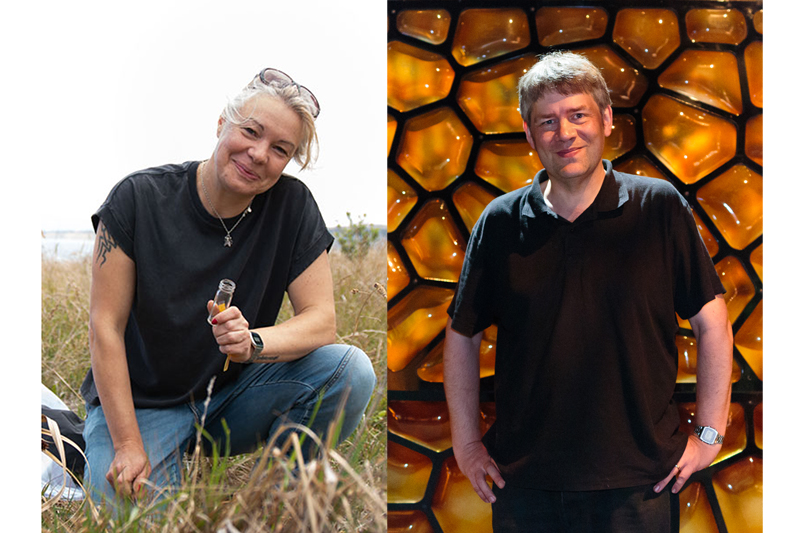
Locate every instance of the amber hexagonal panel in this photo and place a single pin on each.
(507, 164)
(687, 361)
(489, 96)
(400, 199)
(749, 342)
(735, 432)
(416, 77)
(739, 290)
(740, 493)
(640, 166)
(433, 243)
(688, 141)
(408, 522)
(434, 148)
(626, 84)
(407, 474)
(758, 21)
(648, 35)
(734, 201)
(696, 513)
(429, 25)
(708, 238)
(432, 368)
(414, 322)
(726, 26)
(754, 139)
(561, 25)
(398, 277)
(706, 76)
(391, 129)
(457, 507)
(426, 423)
(471, 199)
(754, 67)
(757, 260)
(758, 425)
(482, 34)
(622, 139)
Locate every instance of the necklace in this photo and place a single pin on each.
(228, 239)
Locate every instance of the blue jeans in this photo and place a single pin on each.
(254, 406)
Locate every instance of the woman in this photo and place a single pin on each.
(166, 236)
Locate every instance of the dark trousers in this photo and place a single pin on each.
(634, 509)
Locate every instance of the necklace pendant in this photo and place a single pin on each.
(228, 241)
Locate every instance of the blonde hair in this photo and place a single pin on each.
(566, 73)
(306, 152)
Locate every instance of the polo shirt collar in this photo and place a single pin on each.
(610, 197)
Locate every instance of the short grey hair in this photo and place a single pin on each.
(307, 150)
(566, 73)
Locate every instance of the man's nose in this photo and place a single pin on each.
(566, 129)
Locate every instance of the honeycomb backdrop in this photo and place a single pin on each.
(686, 86)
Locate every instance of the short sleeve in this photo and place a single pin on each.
(471, 309)
(313, 236)
(117, 214)
(696, 279)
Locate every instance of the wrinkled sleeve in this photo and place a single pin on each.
(313, 236)
(472, 308)
(118, 215)
(696, 279)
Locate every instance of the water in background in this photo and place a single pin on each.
(67, 245)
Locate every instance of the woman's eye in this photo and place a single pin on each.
(249, 131)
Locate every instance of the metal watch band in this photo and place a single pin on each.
(257, 344)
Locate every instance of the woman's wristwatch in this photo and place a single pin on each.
(708, 435)
(257, 344)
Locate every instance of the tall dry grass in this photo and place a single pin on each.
(270, 490)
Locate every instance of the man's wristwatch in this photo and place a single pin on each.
(257, 344)
(708, 435)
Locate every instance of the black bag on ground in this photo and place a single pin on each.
(71, 427)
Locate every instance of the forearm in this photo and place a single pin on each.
(462, 386)
(298, 336)
(714, 360)
(111, 377)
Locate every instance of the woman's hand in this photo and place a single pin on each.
(129, 469)
(232, 332)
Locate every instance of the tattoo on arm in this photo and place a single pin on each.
(265, 358)
(105, 243)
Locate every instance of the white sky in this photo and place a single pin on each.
(143, 84)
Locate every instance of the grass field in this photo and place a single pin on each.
(344, 490)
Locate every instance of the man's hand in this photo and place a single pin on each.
(232, 332)
(475, 463)
(696, 457)
(128, 470)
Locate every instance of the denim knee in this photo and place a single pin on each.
(359, 380)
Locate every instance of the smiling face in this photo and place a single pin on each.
(568, 133)
(250, 157)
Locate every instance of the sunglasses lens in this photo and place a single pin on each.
(271, 75)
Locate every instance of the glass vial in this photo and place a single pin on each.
(222, 300)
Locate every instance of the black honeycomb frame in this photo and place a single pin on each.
(748, 390)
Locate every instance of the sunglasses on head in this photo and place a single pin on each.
(273, 76)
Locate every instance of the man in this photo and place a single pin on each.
(583, 272)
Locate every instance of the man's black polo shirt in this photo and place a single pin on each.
(586, 357)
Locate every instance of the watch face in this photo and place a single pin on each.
(708, 435)
(257, 342)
